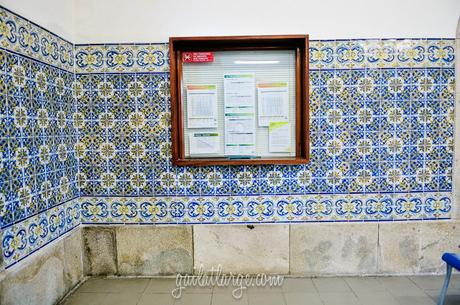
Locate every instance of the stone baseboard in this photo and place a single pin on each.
(311, 249)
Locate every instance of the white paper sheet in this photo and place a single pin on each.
(239, 112)
(279, 137)
(202, 106)
(204, 143)
(273, 103)
(239, 90)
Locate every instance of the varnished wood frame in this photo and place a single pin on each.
(299, 43)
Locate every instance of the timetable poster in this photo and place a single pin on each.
(202, 106)
(239, 113)
(272, 102)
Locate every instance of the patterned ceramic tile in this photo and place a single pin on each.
(372, 132)
(38, 167)
(38, 138)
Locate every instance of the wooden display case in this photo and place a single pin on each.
(210, 63)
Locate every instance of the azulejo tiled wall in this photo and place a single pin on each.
(38, 132)
(85, 138)
(381, 141)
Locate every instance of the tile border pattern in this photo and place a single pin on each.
(24, 37)
(329, 54)
(382, 53)
(265, 209)
(122, 58)
(32, 234)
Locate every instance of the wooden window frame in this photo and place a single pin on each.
(299, 43)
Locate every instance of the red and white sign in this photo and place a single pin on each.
(189, 57)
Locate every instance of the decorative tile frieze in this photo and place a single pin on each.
(324, 54)
(24, 37)
(382, 53)
(276, 208)
(128, 58)
(28, 236)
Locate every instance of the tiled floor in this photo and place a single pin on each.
(422, 290)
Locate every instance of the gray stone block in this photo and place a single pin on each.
(242, 249)
(399, 247)
(154, 250)
(333, 249)
(73, 258)
(437, 238)
(99, 248)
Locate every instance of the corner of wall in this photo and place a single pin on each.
(456, 165)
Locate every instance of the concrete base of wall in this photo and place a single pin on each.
(320, 249)
(46, 276)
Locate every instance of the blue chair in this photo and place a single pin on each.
(452, 260)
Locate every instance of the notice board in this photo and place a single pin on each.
(239, 100)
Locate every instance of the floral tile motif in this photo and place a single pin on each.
(372, 132)
(38, 164)
(38, 168)
(24, 37)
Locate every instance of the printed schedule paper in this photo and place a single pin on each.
(239, 90)
(202, 106)
(239, 113)
(273, 102)
(204, 143)
(279, 137)
(239, 135)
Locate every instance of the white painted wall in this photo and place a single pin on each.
(54, 15)
(156, 20)
(99, 21)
